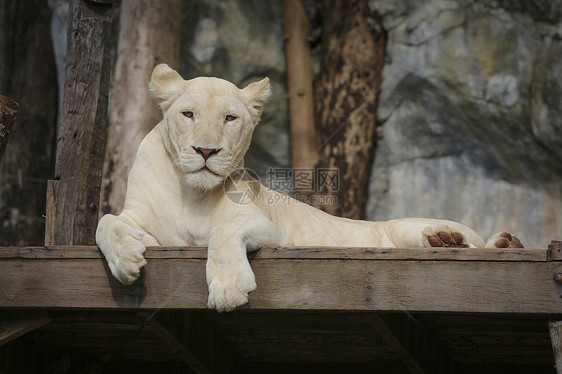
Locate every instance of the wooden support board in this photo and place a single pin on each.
(14, 324)
(500, 281)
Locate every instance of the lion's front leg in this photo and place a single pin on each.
(229, 275)
(123, 247)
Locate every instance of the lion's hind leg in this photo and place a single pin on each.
(443, 236)
(503, 240)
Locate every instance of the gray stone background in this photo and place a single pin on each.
(470, 110)
(471, 115)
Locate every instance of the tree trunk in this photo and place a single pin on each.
(346, 91)
(8, 112)
(149, 34)
(301, 102)
(28, 76)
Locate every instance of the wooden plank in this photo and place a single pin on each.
(555, 250)
(416, 345)
(15, 324)
(82, 135)
(303, 253)
(555, 323)
(424, 286)
(50, 211)
(56, 252)
(8, 112)
(301, 103)
(443, 254)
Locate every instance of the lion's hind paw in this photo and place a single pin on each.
(503, 240)
(443, 236)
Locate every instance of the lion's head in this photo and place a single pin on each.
(208, 123)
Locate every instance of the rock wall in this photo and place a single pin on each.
(471, 115)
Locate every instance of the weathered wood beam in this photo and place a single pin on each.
(414, 343)
(301, 100)
(51, 211)
(8, 112)
(349, 282)
(555, 324)
(296, 253)
(14, 324)
(555, 250)
(82, 134)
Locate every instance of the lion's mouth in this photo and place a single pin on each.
(206, 169)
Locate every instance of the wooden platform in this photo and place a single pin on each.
(376, 279)
(323, 310)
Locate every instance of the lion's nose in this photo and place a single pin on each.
(206, 152)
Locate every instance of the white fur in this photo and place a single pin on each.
(171, 201)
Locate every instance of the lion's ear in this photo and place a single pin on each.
(165, 85)
(257, 93)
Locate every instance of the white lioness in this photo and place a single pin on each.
(186, 171)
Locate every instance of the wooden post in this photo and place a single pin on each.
(51, 212)
(554, 323)
(555, 250)
(301, 103)
(8, 112)
(82, 134)
(133, 112)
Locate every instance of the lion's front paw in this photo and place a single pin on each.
(503, 240)
(443, 236)
(127, 265)
(230, 288)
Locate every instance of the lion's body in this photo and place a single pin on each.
(181, 185)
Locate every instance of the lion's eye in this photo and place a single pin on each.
(188, 114)
(230, 118)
